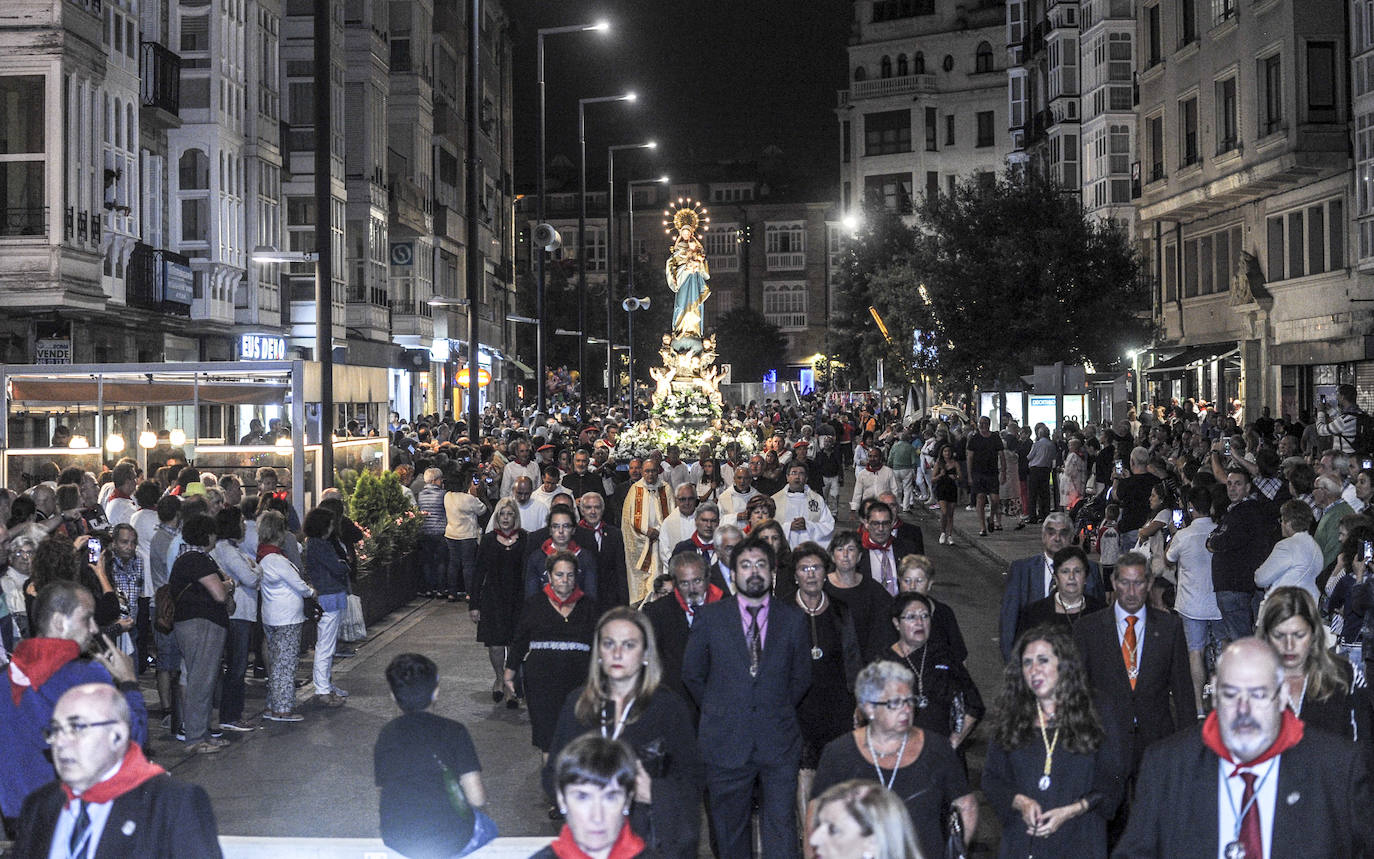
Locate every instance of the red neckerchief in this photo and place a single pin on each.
(696, 539)
(627, 845)
(507, 534)
(177, 490)
(549, 549)
(1290, 734)
(265, 549)
(872, 468)
(871, 545)
(133, 771)
(35, 660)
(553, 597)
(713, 594)
(599, 529)
(118, 494)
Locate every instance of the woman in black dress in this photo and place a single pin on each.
(1051, 774)
(919, 767)
(496, 589)
(947, 491)
(623, 700)
(869, 604)
(553, 644)
(916, 574)
(785, 578)
(1316, 682)
(827, 711)
(947, 702)
(1069, 602)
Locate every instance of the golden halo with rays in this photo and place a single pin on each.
(688, 213)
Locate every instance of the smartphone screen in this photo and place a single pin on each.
(1367, 464)
(93, 548)
(1368, 554)
(1227, 447)
(1178, 518)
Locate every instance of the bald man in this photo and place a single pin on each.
(108, 799)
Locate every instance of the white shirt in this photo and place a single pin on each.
(870, 484)
(1048, 574)
(1196, 599)
(674, 530)
(1294, 561)
(145, 524)
(1121, 616)
(733, 503)
(119, 510)
(515, 470)
(678, 474)
(98, 813)
(533, 516)
(1229, 793)
(808, 505)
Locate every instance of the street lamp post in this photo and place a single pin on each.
(601, 26)
(610, 256)
(632, 304)
(630, 218)
(582, 240)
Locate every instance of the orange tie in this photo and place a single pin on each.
(1129, 650)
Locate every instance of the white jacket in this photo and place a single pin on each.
(283, 591)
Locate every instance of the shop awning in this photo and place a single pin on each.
(1193, 356)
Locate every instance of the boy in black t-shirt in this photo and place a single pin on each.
(420, 762)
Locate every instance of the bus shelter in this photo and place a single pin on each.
(152, 411)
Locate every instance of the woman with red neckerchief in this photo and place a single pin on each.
(553, 644)
(594, 782)
(562, 524)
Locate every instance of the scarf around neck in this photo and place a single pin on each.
(560, 603)
(36, 660)
(871, 545)
(133, 771)
(549, 549)
(713, 594)
(1290, 734)
(265, 549)
(627, 845)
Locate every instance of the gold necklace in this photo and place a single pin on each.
(1049, 748)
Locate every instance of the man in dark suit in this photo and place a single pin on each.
(109, 800)
(883, 550)
(1250, 776)
(1032, 579)
(607, 544)
(672, 616)
(1137, 664)
(581, 479)
(748, 665)
(702, 542)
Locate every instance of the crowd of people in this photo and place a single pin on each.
(714, 637)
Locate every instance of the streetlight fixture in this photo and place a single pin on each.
(610, 255)
(598, 26)
(582, 239)
(632, 304)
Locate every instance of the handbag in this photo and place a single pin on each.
(312, 608)
(167, 607)
(351, 626)
(955, 847)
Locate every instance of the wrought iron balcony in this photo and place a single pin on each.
(23, 221)
(160, 72)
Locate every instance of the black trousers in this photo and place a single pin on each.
(731, 793)
(1039, 485)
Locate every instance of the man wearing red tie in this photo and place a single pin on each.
(1251, 782)
(1137, 664)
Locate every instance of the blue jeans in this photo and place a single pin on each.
(433, 560)
(1237, 618)
(235, 666)
(462, 565)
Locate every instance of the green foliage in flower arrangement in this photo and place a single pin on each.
(390, 523)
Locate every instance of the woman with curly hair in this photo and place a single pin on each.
(1051, 775)
(1316, 682)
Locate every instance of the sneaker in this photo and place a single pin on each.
(179, 735)
(342, 693)
(983, 533)
(242, 726)
(203, 748)
(216, 733)
(970, 508)
(273, 716)
(942, 538)
(331, 701)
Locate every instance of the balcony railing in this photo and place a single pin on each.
(410, 307)
(23, 221)
(145, 278)
(160, 71)
(723, 263)
(879, 87)
(786, 261)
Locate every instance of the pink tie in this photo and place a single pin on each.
(885, 570)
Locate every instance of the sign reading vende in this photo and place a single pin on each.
(54, 350)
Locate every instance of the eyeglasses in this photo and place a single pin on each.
(895, 704)
(810, 568)
(909, 618)
(72, 729)
(879, 523)
(21, 552)
(1256, 694)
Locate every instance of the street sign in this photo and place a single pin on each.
(402, 253)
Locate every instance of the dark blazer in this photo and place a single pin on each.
(581, 484)
(1025, 585)
(907, 542)
(670, 636)
(1162, 701)
(745, 718)
(161, 817)
(1321, 806)
(612, 585)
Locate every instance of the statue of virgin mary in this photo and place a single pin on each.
(687, 275)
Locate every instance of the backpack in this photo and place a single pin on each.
(1363, 442)
(166, 608)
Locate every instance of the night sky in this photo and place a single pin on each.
(716, 79)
